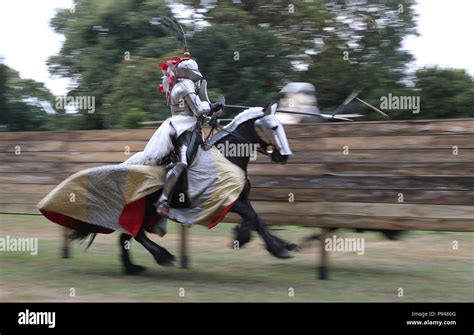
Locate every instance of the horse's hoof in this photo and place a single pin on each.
(291, 246)
(287, 245)
(165, 262)
(242, 237)
(165, 259)
(134, 270)
(169, 255)
(280, 253)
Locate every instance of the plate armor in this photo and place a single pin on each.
(188, 101)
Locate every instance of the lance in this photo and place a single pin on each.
(324, 116)
(373, 107)
(237, 106)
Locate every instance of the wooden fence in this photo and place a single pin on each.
(407, 175)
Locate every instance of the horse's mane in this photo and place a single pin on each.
(246, 115)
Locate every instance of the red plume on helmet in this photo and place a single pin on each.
(168, 68)
(169, 75)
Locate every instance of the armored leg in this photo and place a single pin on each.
(171, 179)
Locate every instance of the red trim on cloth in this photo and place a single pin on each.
(221, 216)
(132, 216)
(70, 222)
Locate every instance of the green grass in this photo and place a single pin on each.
(423, 264)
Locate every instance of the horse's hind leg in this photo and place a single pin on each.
(161, 255)
(128, 267)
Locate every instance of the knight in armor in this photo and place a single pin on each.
(187, 97)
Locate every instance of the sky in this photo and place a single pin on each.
(445, 28)
(27, 40)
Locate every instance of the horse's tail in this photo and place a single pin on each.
(85, 231)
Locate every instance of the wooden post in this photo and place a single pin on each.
(65, 252)
(184, 261)
(324, 266)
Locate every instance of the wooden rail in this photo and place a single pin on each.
(407, 175)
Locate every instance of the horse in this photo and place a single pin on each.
(258, 127)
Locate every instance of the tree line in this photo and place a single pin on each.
(247, 51)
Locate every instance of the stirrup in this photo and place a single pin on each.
(163, 209)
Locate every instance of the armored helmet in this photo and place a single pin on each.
(188, 69)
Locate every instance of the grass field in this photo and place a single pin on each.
(424, 264)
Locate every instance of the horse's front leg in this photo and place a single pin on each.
(128, 267)
(276, 246)
(243, 234)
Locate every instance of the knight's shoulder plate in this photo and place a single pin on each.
(182, 89)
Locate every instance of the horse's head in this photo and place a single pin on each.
(272, 135)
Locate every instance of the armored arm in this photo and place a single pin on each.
(204, 97)
(198, 107)
(184, 98)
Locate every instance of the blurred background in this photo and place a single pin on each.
(247, 50)
(109, 50)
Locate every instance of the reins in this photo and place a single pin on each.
(236, 135)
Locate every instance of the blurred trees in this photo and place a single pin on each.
(343, 45)
(247, 65)
(132, 118)
(445, 92)
(111, 50)
(23, 102)
(3, 94)
(134, 86)
(247, 51)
